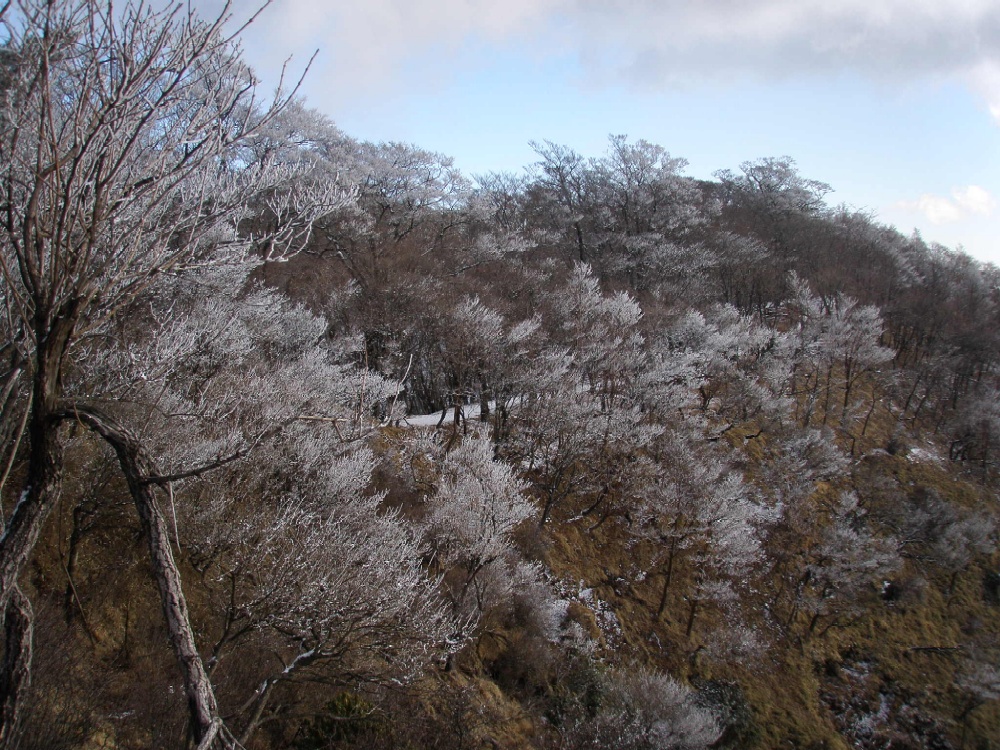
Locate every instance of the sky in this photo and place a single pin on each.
(894, 103)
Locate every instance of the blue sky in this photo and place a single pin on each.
(895, 103)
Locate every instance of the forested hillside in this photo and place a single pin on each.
(310, 442)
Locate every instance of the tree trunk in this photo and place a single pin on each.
(581, 247)
(259, 705)
(813, 623)
(39, 496)
(667, 575)
(910, 395)
(849, 377)
(692, 611)
(484, 401)
(16, 674)
(868, 416)
(138, 468)
(500, 416)
(826, 393)
(550, 500)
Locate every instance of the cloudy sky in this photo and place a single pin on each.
(895, 103)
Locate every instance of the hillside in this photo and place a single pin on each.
(312, 442)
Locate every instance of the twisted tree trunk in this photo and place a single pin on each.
(138, 469)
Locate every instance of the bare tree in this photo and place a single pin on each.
(121, 134)
(561, 192)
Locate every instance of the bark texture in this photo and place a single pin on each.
(138, 468)
(16, 675)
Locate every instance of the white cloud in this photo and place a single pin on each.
(962, 204)
(649, 42)
(984, 79)
(368, 45)
(974, 199)
(938, 210)
(893, 40)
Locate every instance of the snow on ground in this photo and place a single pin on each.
(470, 412)
(924, 456)
(428, 420)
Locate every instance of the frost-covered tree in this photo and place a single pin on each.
(468, 354)
(647, 215)
(734, 366)
(769, 199)
(561, 197)
(979, 681)
(572, 445)
(257, 420)
(792, 473)
(976, 430)
(775, 183)
(122, 150)
(600, 331)
(744, 272)
(630, 214)
(316, 586)
(843, 566)
(478, 503)
(704, 518)
(641, 709)
(837, 343)
(937, 534)
(408, 203)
